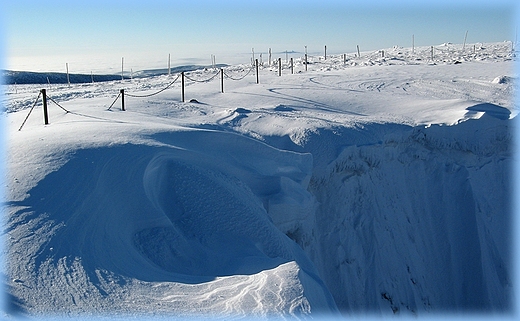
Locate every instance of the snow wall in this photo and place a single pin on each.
(391, 218)
(411, 219)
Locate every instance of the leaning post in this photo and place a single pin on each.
(45, 112)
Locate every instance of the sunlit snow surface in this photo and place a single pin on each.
(367, 185)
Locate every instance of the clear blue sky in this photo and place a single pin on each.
(44, 35)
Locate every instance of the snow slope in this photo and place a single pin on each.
(375, 184)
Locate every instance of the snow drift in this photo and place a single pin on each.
(376, 185)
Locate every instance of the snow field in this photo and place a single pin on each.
(381, 185)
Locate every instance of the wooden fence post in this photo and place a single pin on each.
(325, 52)
(358, 54)
(122, 91)
(221, 80)
(279, 66)
(292, 66)
(182, 86)
(45, 112)
(305, 62)
(256, 64)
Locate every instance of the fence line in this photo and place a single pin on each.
(304, 60)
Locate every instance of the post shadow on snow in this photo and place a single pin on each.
(99, 195)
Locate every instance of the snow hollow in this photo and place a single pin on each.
(379, 184)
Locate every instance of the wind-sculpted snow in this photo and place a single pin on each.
(379, 185)
(413, 221)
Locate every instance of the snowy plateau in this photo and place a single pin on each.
(375, 185)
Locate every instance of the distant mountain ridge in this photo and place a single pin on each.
(10, 77)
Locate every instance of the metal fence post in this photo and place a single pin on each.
(45, 112)
(256, 63)
(221, 80)
(122, 91)
(182, 86)
(325, 52)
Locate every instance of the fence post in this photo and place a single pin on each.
(122, 91)
(221, 80)
(305, 62)
(358, 54)
(279, 66)
(45, 112)
(292, 66)
(182, 86)
(344, 58)
(325, 52)
(256, 63)
(269, 57)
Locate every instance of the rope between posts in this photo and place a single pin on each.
(206, 80)
(30, 111)
(114, 101)
(67, 111)
(149, 95)
(236, 79)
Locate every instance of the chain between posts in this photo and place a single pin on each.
(30, 111)
(201, 81)
(236, 79)
(155, 93)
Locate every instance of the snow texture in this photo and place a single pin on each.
(367, 185)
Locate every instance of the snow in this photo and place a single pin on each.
(372, 185)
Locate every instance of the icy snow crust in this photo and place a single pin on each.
(379, 185)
